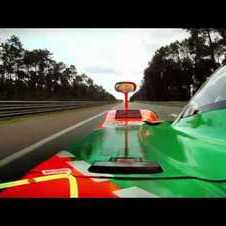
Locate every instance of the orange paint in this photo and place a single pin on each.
(87, 188)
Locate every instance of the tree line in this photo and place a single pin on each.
(35, 75)
(180, 67)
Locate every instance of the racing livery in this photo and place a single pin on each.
(132, 153)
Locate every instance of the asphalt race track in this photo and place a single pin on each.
(13, 165)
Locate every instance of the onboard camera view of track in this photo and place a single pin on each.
(29, 140)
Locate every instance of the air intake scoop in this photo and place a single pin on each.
(125, 166)
(122, 114)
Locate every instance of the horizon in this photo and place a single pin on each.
(105, 55)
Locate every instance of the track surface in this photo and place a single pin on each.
(19, 134)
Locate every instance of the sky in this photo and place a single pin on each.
(105, 55)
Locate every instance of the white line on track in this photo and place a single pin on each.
(32, 147)
(174, 115)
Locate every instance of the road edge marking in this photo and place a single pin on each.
(38, 144)
(174, 115)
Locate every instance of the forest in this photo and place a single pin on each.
(177, 70)
(35, 75)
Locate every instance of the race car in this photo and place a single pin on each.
(135, 154)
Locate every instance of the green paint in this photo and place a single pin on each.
(176, 188)
(106, 143)
(194, 146)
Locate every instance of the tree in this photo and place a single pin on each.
(175, 67)
(11, 57)
(34, 75)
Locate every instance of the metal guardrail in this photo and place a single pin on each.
(9, 109)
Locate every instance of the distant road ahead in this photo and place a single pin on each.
(18, 152)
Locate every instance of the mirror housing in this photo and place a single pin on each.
(125, 87)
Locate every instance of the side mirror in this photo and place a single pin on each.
(125, 87)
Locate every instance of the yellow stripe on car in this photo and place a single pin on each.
(73, 184)
(14, 183)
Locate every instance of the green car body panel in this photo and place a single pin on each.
(191, 152)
